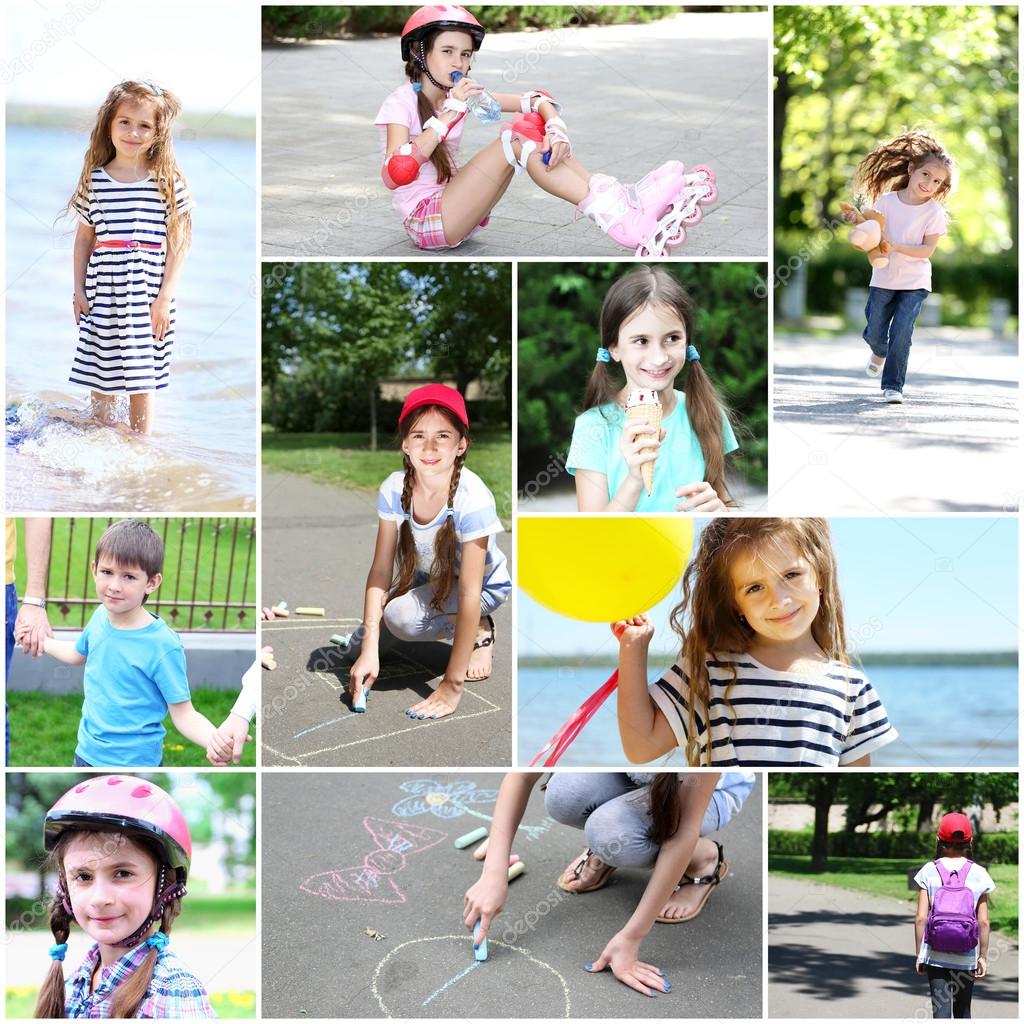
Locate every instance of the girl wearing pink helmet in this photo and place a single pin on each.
(420, 126)
(121, 849)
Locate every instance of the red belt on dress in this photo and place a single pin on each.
(125, 243)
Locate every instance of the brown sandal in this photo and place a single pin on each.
(721, 870)
(574, 872)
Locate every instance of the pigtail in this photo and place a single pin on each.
(887, 168)
(705, 410)
(131, 993)
(602, 388)
(666, 807)
(442, 571)
(440, 157)
(50, 1002)
(405, 554)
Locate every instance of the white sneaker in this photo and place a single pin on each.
(873, 369)
(893, 397)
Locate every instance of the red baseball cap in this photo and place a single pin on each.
(436, 394)
(955, 828)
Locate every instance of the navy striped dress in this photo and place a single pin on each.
(117, 353)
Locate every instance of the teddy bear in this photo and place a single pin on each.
(867, 234)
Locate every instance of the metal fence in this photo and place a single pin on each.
(209, 577)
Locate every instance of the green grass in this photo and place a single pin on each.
(192, 563)
(889, 878)
(44, 730)
(346, 460)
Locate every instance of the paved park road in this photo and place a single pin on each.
(835, 953)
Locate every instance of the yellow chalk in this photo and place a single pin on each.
(310, 611)
(516, 870)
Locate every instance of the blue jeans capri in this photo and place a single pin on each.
(614, 812)
(891, 316)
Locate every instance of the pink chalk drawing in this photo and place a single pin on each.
(371, 882)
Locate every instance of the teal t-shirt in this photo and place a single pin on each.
(595, 446)
(131, 675)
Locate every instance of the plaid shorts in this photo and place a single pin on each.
(424, 225)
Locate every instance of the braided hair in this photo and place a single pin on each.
(888, 167)
(415, 68)
(442, 569)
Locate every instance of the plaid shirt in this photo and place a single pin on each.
(173, 991)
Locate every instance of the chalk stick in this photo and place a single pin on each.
(481, 851)
(319, 612)
(281, 610)
(513, 859)
(341, 639)
(516, 870)
(480, 952)
(359, 704)
(470, 837)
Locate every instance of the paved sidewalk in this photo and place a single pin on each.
(326, 897)
(836, 953)
(952, 446)
(318, 544)
(696, 88)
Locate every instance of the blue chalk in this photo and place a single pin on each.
(479, 948)
(359, 704)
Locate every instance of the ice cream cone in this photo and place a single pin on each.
(643, 406)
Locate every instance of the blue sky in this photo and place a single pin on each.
(945, 584)
(58, 53)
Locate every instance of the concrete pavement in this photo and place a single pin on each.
(696, 87)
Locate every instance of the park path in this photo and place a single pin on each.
(695, 88)
(837, 953)
(953, 446)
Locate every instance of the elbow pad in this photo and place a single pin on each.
(404, 167)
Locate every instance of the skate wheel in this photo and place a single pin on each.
(676, 240)
(693, 216)
(709, 175)
(712, 194)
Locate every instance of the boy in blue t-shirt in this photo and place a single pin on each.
(134, 662)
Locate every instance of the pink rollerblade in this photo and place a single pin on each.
(699, 186)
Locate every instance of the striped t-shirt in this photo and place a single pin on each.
(821, 718)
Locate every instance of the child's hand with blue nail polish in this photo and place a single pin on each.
(622, 956)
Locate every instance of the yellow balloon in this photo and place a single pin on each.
(602, 569)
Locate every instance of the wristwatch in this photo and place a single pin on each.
(36, 602)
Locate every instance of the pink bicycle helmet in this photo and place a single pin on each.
(123, 803)
(437, 17)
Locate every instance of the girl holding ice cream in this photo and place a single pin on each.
(640, 445)
(437, 571)
(658, 821)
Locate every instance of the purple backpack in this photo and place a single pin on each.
(952, 922)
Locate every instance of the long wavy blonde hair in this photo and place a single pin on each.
(709, 622)
(159, 157)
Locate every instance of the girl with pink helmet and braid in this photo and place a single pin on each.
(121, 849)
(441, 205)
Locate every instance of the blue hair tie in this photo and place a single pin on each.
(692, 355)
(407, 516)
(603, 355)
(451, 513)
(57, 951)
(417, 86)
(156, 91)
(159, 942)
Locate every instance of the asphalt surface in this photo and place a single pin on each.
(836, 953)
(317, 548)
(321, 957)
(952, 446)
(695, 88)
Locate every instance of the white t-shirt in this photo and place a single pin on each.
(979, 881)
(824, 718)
(907, 225)
(475, 516)
(401, 107)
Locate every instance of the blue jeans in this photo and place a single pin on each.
(890, 326)
(11, 613)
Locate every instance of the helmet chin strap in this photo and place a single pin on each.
(421, 60)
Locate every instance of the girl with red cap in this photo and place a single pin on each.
(437, 571)
(420, 126)
(951, 929)
(121, 849)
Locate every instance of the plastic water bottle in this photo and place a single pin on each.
(486, 108)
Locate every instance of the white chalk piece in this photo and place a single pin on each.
(516, 870)
(470, 837)
(481, 947)
(319, 612)
(359, 704)
(481, 851)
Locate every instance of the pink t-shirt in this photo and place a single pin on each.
(401, 108)
(907, 225)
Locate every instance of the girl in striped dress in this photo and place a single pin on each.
(763, 679)
(134, 230)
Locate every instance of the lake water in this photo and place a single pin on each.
(203, 454)
(947, 716)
